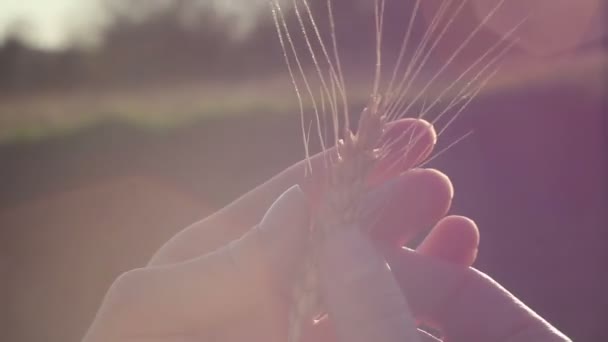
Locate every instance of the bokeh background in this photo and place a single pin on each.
(123, 122)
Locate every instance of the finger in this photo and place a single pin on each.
(454, 239)
(405, 206)
(405, 143)
(464, 303)
(405, 147)
(451, 240)
(359, 291)
(426, 337)
(324, 332)
(230, 281)
(234, 220)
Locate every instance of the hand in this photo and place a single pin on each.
(224, 281)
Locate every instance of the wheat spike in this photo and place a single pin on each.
(356, 153)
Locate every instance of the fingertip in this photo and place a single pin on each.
(442, 185)
(454, 239)
(407, 142)
(430, 195)
(288, 212)
(430, 130)
(427, 132)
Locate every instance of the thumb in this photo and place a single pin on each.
(201, 292)
(464, 303)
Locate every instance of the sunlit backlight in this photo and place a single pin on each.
(552, 26)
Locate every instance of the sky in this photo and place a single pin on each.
(48, 23)
(51, 24)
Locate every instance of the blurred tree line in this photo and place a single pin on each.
(182, 41)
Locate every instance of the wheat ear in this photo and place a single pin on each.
(356, 155)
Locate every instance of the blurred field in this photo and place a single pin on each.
(41, 114)
(78, 208)
(44, 114)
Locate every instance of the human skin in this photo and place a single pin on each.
(226, 278)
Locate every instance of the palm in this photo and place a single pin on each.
(194, 289)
